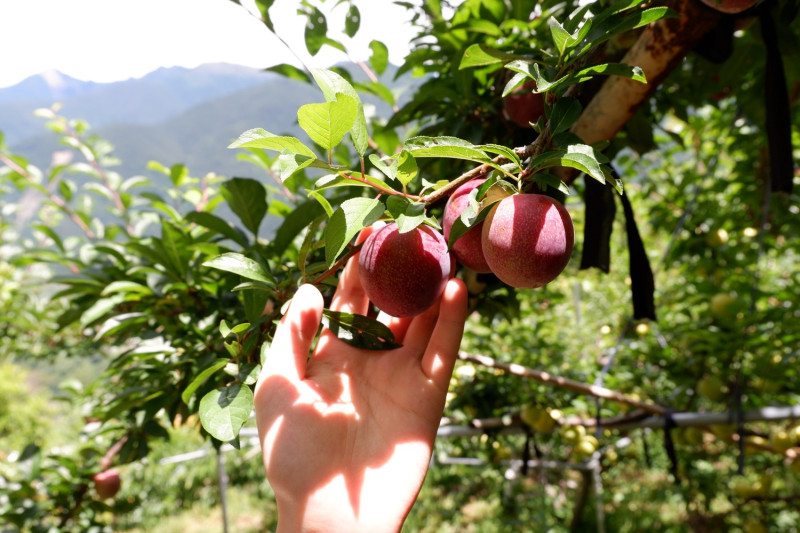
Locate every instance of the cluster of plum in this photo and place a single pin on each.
(526, 241)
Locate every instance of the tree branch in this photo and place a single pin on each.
(546, 377)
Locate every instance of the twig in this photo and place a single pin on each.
(337, 265)
(112, 452)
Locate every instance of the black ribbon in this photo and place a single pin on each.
(600, 209)
(643, 285)
(778, 113)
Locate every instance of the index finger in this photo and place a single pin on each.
(349, 296)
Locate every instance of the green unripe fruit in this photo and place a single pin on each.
(572, 434)
(781, 440)
(712, 387)
(754, 526)
(722, 306)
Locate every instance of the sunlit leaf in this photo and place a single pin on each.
(380, 56)
(331, 84)
(201, 378)
(327, 124)
(242, 265)
(223, 411)
(260, 138)
(349, 218)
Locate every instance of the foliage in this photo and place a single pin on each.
(178, 289)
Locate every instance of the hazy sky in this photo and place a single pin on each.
(109, 40)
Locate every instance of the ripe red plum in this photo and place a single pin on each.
(527, 240)
(467, 248)
(403, 274)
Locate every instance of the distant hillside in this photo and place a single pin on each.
(160, 95)
(198, 135)
(227, 102)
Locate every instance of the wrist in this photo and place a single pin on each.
(322, 514)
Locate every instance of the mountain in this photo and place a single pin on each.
(156, 97)
(196, 135)
(50, 85)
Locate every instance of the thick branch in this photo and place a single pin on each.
(659, 49)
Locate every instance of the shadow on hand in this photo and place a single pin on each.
(360, 428)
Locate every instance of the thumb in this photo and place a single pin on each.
(288, 353)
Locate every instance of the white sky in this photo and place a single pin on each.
(110, 40)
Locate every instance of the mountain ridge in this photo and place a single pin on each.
(158, 96)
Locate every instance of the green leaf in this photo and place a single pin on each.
(99, 309)
(247, 198)
(611, 69)
(316, 31)
(610, 23)
(406, 168)
(55, 237)
(545, 180)
(302, 215)
(237, 263)
(505, 151)
(260, 138)
(406, 213)
(451, 147)
(532, 70)
(290, 164)
(560, 35)
(331, 84)
(172, 248)
(67, 188)
(218, 225)
(478, 55)
(389, 170)
(201, 378)
(254, 303)
(263, 8)
(126, 286)
(359, 331)
(490, 192)
(178, 174)
(583, 158)
(564, 113)
(223, 411)
(327, 124)
(352, 21)
(348, 179)
(326, 205)
(379, 90)
(350, 217)
(380, 56)
(291, 72)
(120, 324)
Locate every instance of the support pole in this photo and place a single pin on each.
(222, 479)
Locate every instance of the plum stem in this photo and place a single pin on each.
(352, 250)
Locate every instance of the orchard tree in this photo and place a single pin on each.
(680, 113)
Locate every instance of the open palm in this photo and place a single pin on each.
(347, 435)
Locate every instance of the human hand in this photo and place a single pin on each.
(347, 435)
